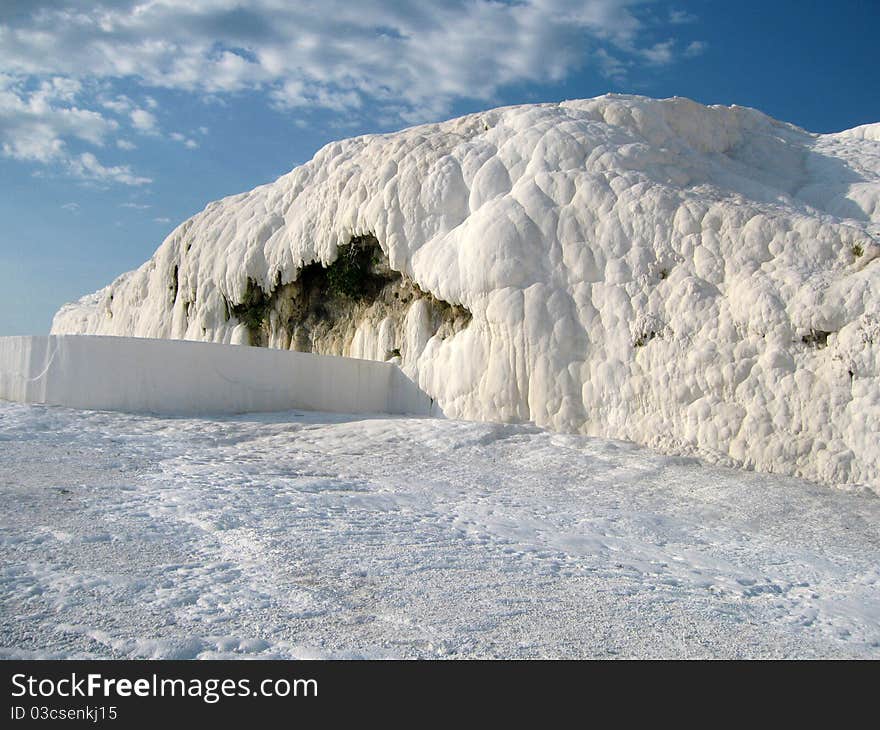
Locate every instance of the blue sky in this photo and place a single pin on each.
(121, 118)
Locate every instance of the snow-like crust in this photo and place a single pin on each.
(312, 535)
(696, 279)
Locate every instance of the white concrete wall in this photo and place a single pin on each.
(177, 377)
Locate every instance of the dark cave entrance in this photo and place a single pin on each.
(322, 308)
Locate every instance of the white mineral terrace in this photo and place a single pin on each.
(699, 280)
(175, 377)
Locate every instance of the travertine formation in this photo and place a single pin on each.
(696, 279)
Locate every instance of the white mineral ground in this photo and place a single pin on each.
(300, 535)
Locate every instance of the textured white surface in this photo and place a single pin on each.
(187, 378)
(300, 535)
(697, 279)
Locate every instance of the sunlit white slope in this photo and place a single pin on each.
(697, 279)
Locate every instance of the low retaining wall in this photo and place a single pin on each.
(178, 377)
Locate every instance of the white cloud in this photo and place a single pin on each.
(42, 121)
(136, 206)
(161, 220)
(87, 167)
(34, 122)
(695, 48)
(184, 140)
(119, 105)
(144, 121)
(611, 66)
(408, 60)
(660, 54)
(72, 207)
(124, 144)
(681, 17)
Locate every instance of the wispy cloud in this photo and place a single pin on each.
(660, 54)
(120, 104)
(36, 120)
(695, 48)
(38, 123)
(407, 60)
(184, 140)
(410, 57)
(87, 167)
(681, 17)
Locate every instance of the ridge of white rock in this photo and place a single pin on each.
(697, 279)
(179, 378)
